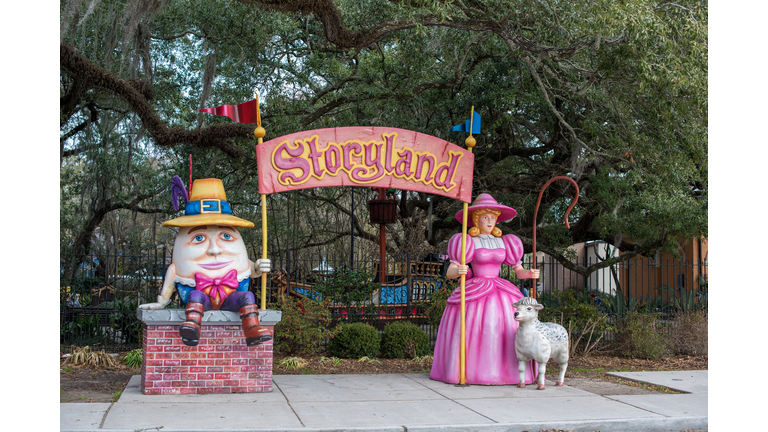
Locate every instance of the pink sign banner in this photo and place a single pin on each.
(365, 156)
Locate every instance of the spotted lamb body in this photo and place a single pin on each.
(539, 341)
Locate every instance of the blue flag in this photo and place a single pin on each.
(465, 127)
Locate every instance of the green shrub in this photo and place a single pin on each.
(683, 300)
(124, 319)
(81, 329)
(437, 302)
(303, 327)
(404, 340)
(354, 340)
(585, 321)
(612, 303)
(550, 301)
(133, 358)
(84, 284)
(640, 335)
(568, 308)
(689, 334)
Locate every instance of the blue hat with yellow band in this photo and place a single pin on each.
(208, 205)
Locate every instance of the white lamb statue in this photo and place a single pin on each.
(538, 341)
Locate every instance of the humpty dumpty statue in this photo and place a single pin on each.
(210, 268)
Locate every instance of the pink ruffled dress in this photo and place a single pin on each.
(490, 324)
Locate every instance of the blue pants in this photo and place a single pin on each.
(234, 302)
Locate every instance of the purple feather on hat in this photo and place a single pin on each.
(178, 190)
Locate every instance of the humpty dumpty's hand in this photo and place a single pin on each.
(165, 293)
(264, 265)
(161, 303)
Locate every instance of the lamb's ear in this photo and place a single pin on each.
(516, 304)
(539, 307)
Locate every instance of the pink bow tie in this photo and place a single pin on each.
(212, 286)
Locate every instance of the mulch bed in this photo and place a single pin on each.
(595, 364)
(612, 363)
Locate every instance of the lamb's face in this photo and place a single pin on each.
(526, 312)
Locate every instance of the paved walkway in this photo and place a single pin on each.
(402, 403)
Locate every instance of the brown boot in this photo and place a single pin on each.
(254, 333)
(190, 329)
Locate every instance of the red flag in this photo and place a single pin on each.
(246, 112)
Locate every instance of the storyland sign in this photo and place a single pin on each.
(365, 156)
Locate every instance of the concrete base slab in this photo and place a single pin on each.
(83, 416)
(696, 381)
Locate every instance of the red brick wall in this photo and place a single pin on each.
(220, 363)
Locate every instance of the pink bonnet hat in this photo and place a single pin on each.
(486, 201)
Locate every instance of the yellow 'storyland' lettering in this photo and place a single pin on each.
(363, 162)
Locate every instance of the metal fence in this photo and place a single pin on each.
(100, 293)
(662, 284)
(358, 290)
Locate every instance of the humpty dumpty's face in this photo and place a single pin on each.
(209, 249)
(486, 222)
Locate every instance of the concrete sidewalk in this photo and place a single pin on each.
(402, 402)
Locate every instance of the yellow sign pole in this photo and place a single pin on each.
(260, 133)
(263, 248)
(470, 142)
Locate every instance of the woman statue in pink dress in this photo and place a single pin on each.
(490, 324)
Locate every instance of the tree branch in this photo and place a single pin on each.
(92, 119)
(218, 135)
(587, 270)
(337, 33)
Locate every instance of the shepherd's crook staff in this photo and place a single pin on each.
(536, 212)
(470, 142)
(259, 132)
